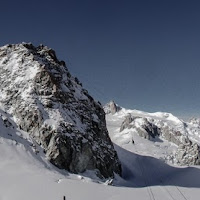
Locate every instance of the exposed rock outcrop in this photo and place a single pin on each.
(188, 154)
(111, 107)
(171, 135)
(143, 127)
(188, 151)
(51, 105)
(127, 122)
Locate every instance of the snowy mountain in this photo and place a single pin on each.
(159, 126)
(26, 173)
(45, 114)
(45, 101)
(111, 107)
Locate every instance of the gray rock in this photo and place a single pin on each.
(188, 154)
(127, 122)
(150, 130)
(51, 105)
(111, 107)
(171, 135)
(146, 129)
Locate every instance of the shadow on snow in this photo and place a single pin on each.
(144, 171)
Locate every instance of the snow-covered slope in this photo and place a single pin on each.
(155, 147)
(160, 128)
(25, 172)
(148, 163)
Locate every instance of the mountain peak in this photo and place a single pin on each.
(111, 107)
(47, 102)
(36, 51)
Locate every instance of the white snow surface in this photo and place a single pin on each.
(26, 174)
(189, 129)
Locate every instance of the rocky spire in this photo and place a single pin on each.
(111, 107)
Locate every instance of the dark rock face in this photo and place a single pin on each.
(148, 130)
(51, 105)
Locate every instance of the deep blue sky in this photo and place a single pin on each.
(143, 54)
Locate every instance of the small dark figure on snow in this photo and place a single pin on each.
(133, 141)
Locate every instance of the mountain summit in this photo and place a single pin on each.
(111, 107)
(51, 105)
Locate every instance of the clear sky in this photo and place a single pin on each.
(144, 54)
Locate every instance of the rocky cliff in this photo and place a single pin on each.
(51, 105)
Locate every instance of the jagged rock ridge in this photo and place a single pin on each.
(47, 102)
